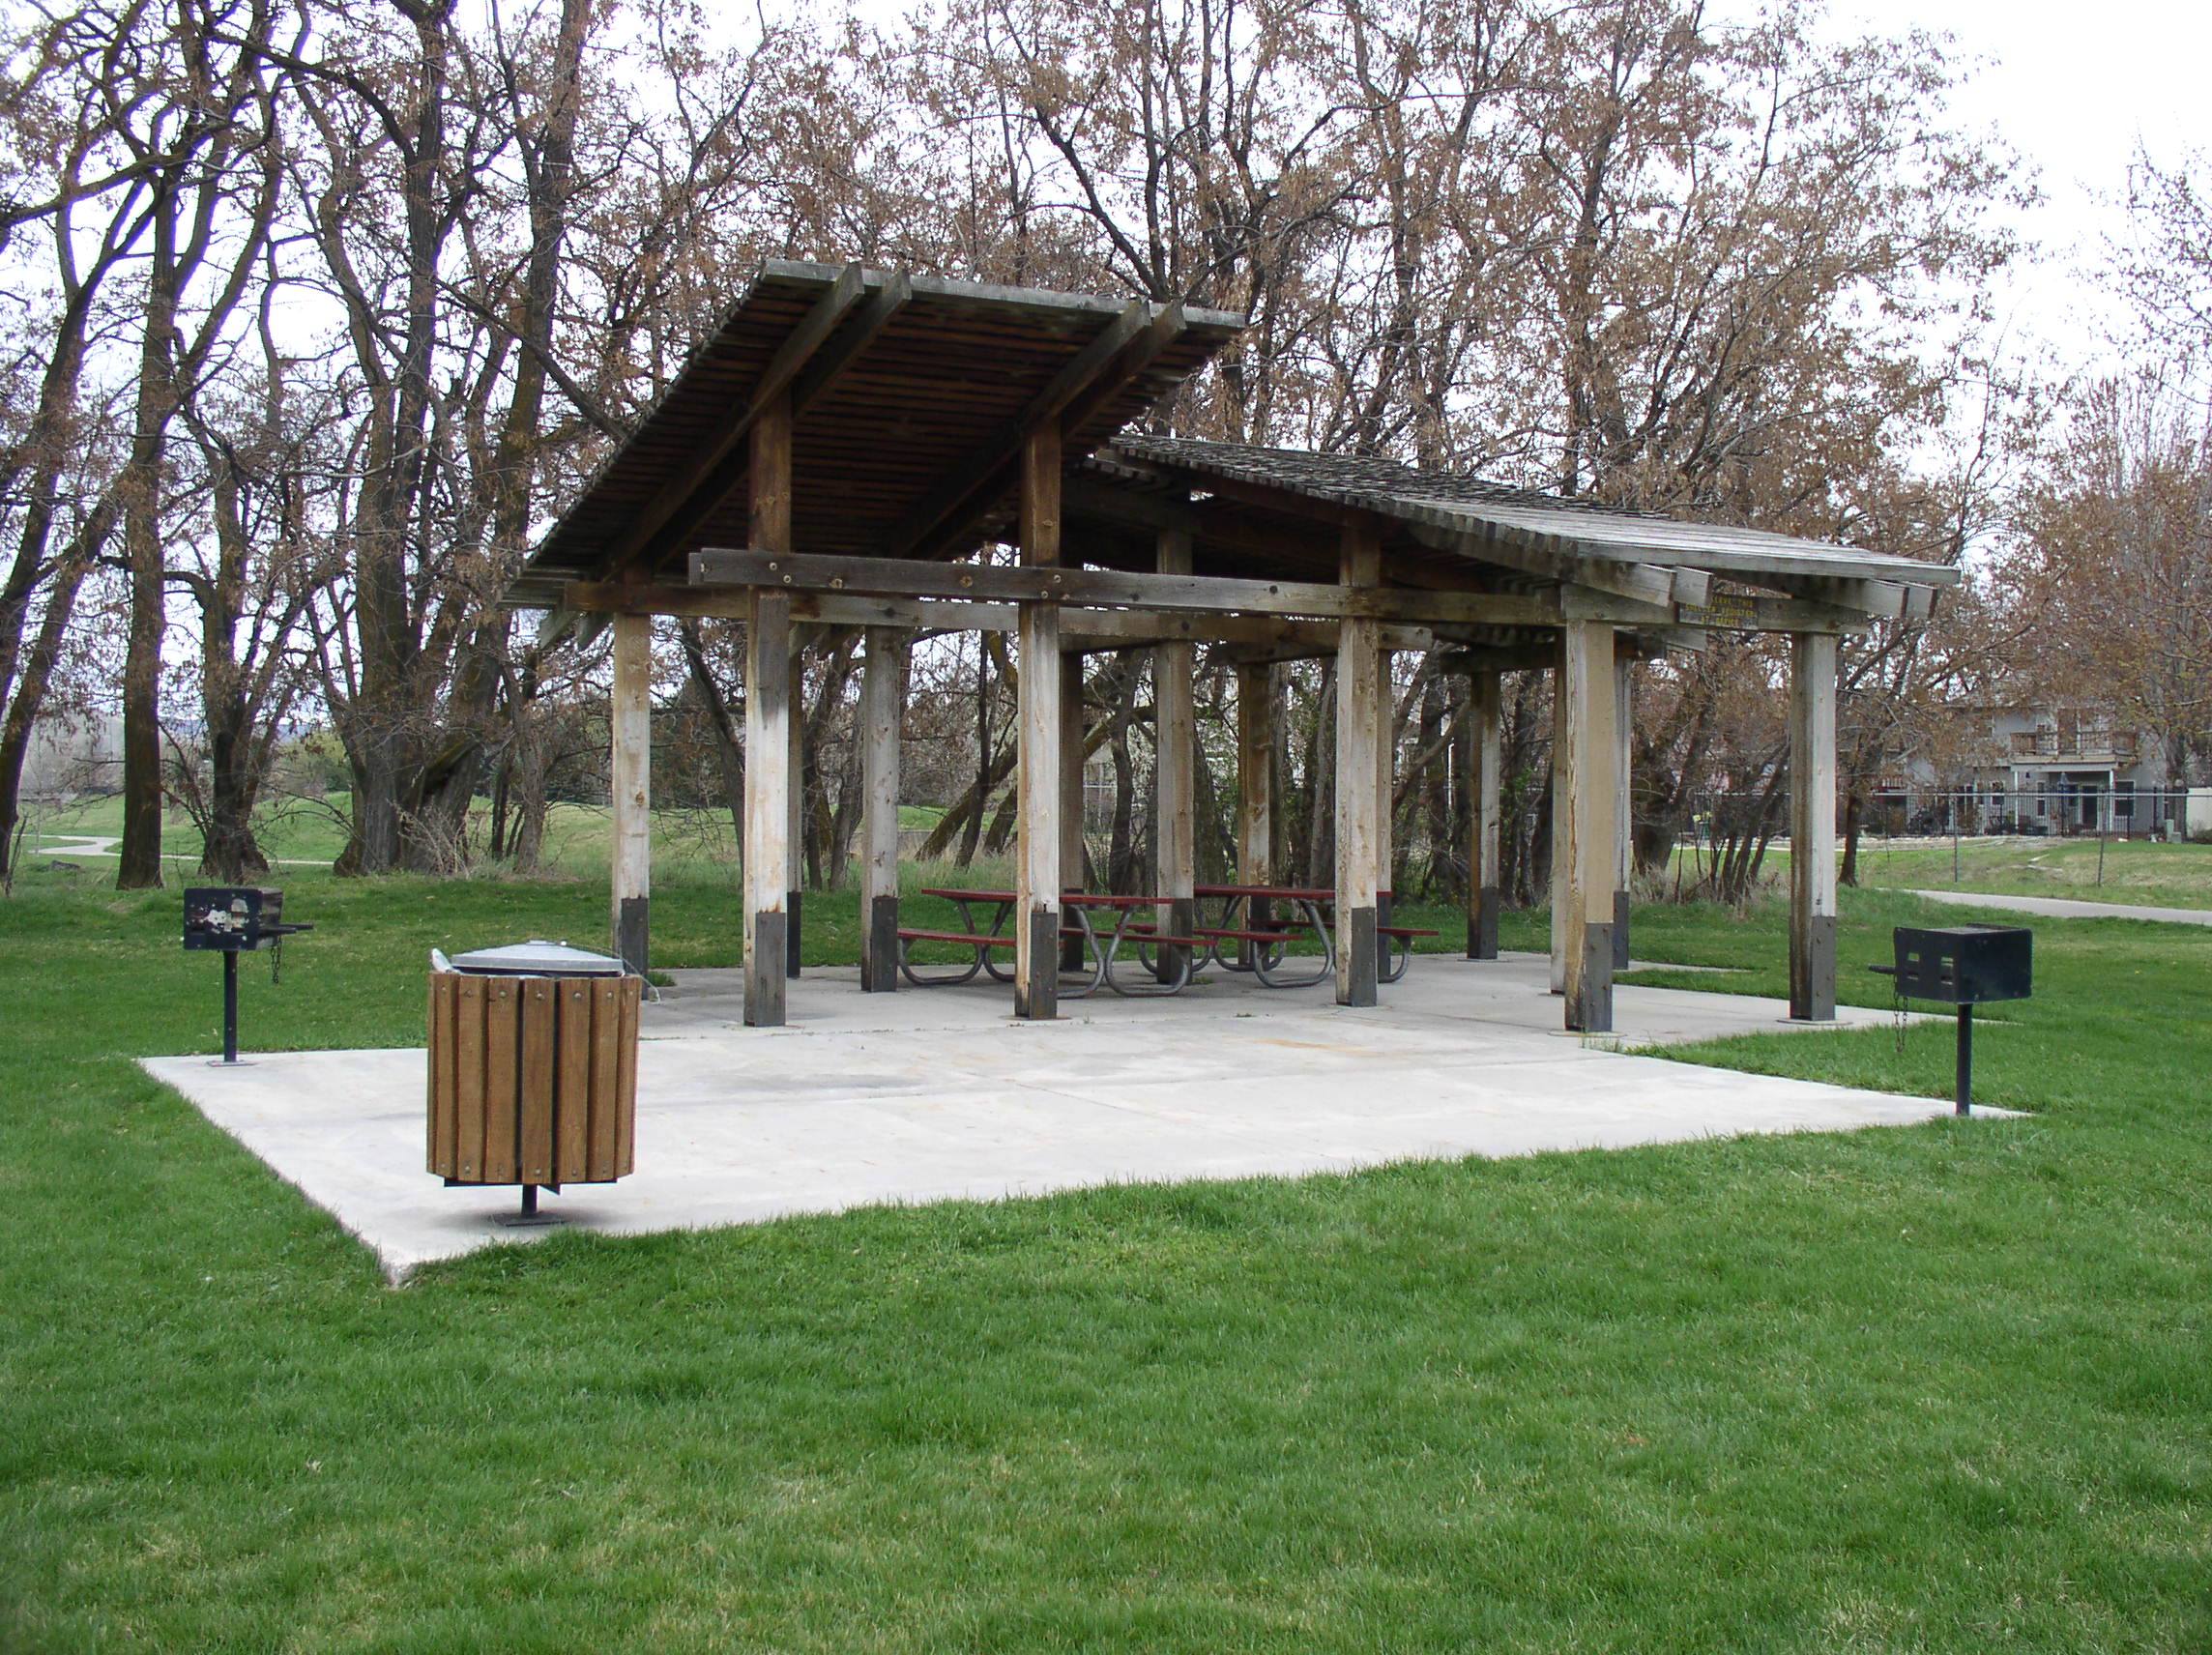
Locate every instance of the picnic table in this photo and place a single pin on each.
(1165, 963)
(1166, 976)
(1247, 918)
(1261, 934)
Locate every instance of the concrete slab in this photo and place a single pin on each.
(939, 1093)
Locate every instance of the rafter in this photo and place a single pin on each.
(1093, 376)
(717, 465)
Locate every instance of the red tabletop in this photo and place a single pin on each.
(1269, 892)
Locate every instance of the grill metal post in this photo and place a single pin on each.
(230, 1007)
(1966, 1078)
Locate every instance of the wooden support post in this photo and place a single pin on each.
(794, 882)
(1072, 748)
(1561, 741)
(1358, 740)
(632, 778)
(1037, 881)
(1590, 728)
(767, 732)
(1813, 828)
(1485, 815)
(1256, 697)
(1624, 794)
(1385, 792)
(883, 695)
(768, 807)
(1175, 779)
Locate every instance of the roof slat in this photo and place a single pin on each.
(1576, 540)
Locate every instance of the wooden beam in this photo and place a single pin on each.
(1741, 612)
(795, 839)
(883, 693)
(1493, 659)
(1385, 792)
(1643, 582)
(697, 489)
(770, 480)
(768, 807)
(1073, 748)
(1151, 513)
(894, 577)
(1289, 502)
(556, 622)
(1563, 744)
(1591, 774)
(828, 364)
(1256, 695)
(970, 486)
(1812, 829)
(1038, 872)
(1243, 638)
(1485, 748)
(1080, 628)
(1360, 719)
(1275, 655)
(1175, 779)
(769, 715)
(1623, 796)
(1878, 600)
(630, 786)
(1136, 355)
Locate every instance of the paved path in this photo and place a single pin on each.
(937, 1094)
(2066, 907)
(108, 845)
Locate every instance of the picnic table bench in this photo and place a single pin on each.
(1103, 951)
(1166, 961)
(1265, 935)
(1260, 929)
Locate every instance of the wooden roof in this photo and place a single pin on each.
(1272, 511)
(911, 397)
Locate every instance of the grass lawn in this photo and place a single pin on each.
(1942, 1388)
(2138, 873)
(577, 837)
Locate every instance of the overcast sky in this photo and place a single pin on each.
(2074, 88)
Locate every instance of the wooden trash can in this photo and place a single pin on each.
(533, 1079)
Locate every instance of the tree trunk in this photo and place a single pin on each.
(138, 867)
(35, 670)
(729, 745)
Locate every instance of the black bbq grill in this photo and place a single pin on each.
(1964, 966)
(234, 920)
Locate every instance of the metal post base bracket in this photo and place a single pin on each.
(528, 1217)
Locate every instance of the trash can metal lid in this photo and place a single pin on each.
(539, 957)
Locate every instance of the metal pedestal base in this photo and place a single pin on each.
(528, 1217)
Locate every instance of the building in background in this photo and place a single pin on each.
(2040, 770)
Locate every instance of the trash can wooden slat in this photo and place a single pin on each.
(533, 1080)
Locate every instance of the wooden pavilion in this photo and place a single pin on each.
(848, 442)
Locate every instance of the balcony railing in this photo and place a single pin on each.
(2073, 743)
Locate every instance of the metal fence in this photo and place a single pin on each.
(2050, 809)
(1721, 842)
